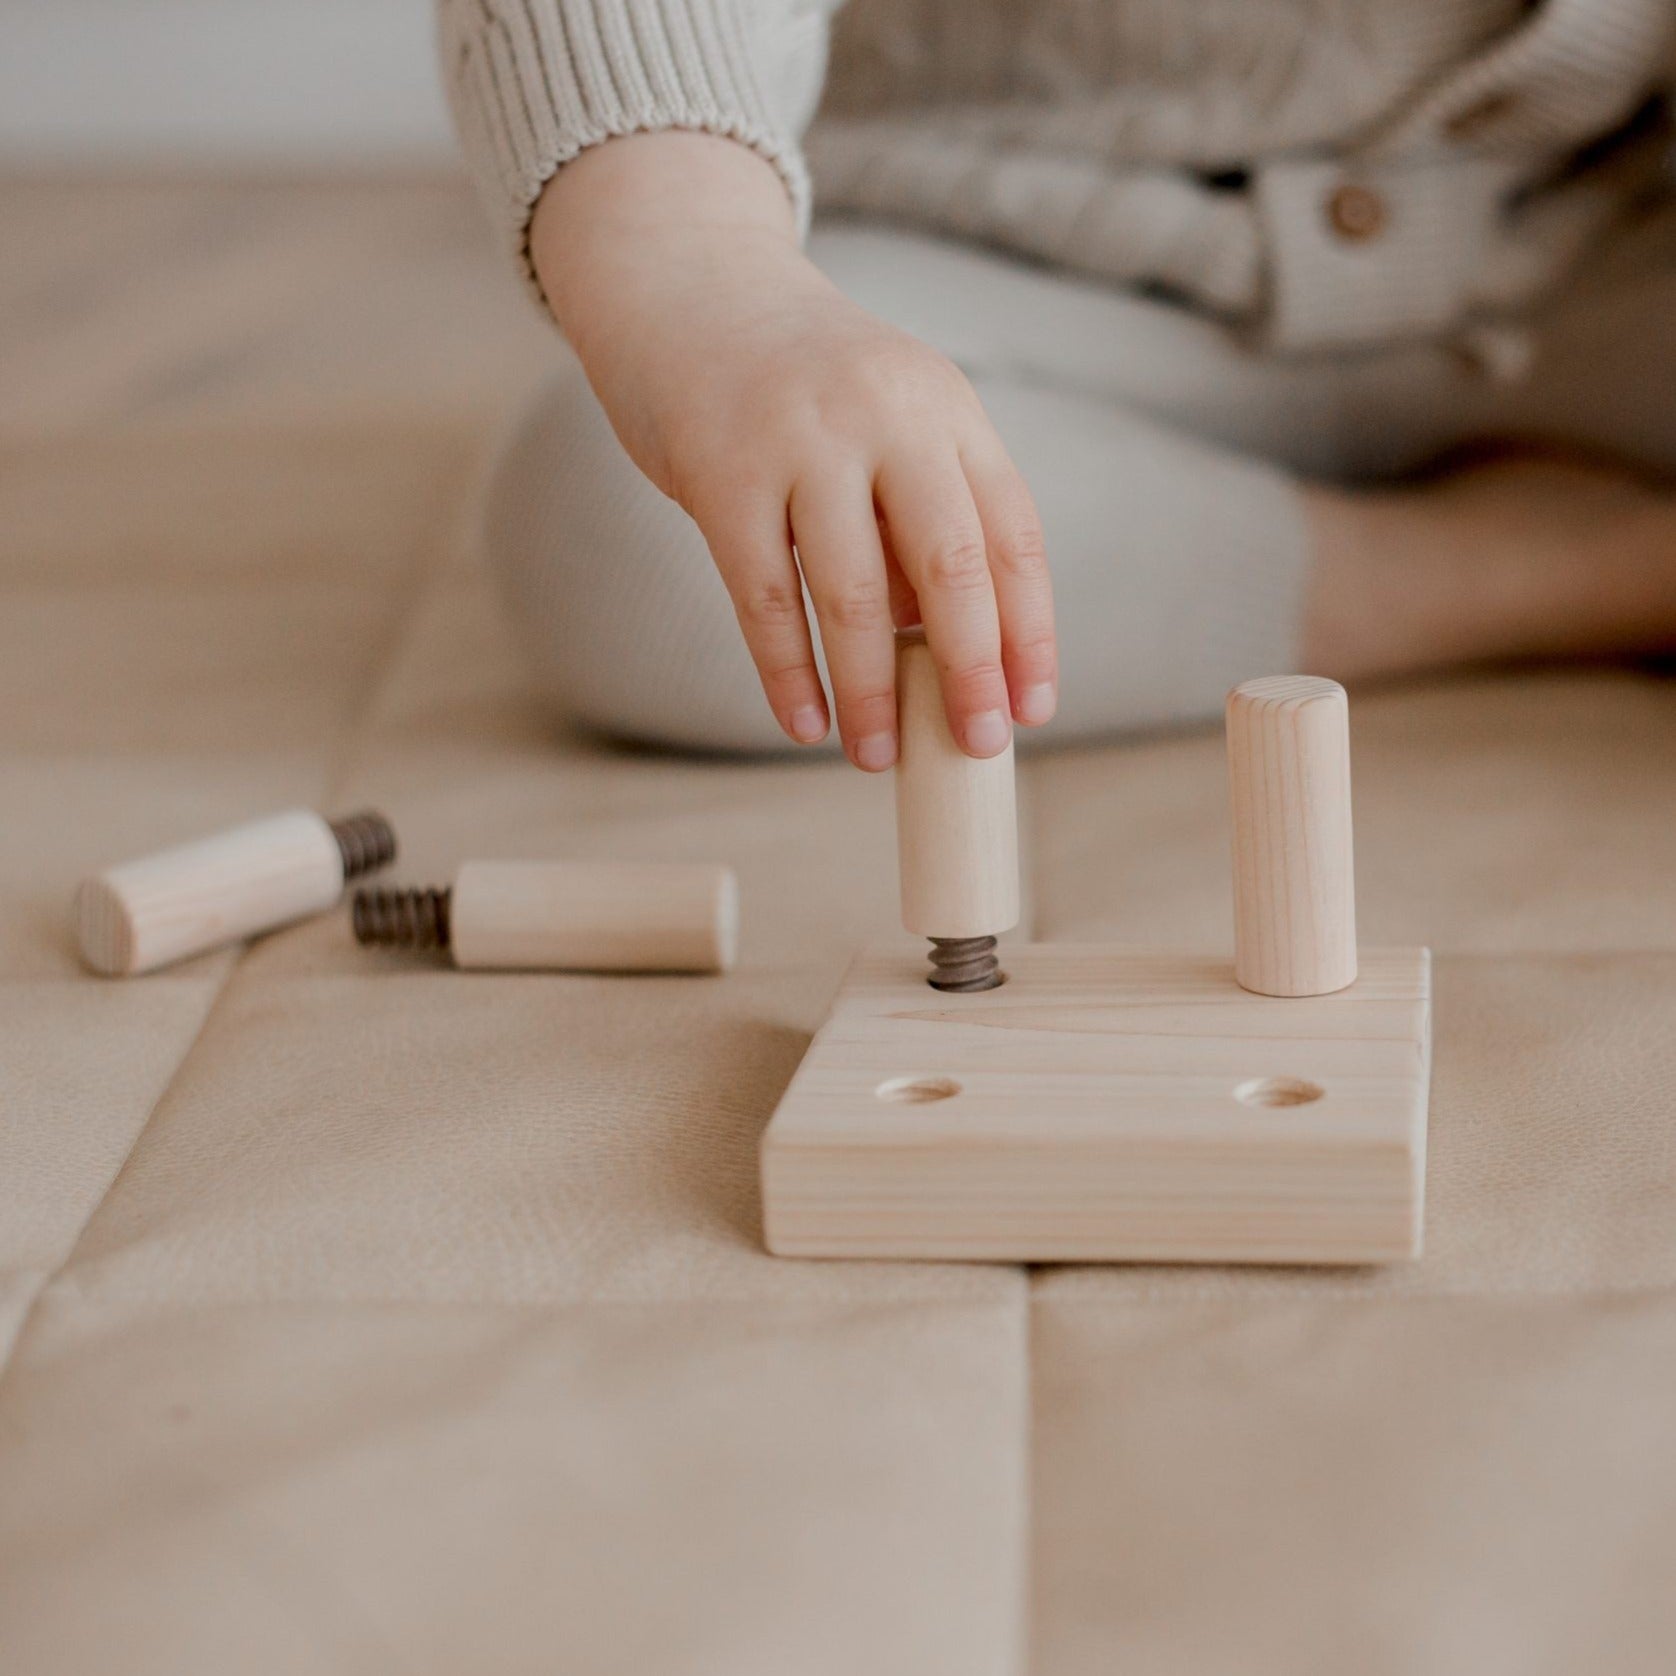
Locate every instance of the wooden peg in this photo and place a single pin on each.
(956, 831)
(577, 916)
(1294, 872)
(200, 895)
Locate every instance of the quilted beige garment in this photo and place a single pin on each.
(362, 1316)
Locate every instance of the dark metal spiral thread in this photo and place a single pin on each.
(964, 964)
(366, 841)
(402, 919)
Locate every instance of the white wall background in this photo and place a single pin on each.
(202, 82)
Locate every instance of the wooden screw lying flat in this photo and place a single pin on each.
(200, 895)
(578, 916)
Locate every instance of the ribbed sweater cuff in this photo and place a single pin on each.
(533, 83)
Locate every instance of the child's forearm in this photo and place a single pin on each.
(707, 205)
(777, 413)
(645, 237)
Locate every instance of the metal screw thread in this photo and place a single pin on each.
(402, 919)
(964, 964)
(366, 841)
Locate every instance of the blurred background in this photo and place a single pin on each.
(256, 339)
(219, 81)
(218, 210)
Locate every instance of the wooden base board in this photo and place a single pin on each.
(1107, 1103)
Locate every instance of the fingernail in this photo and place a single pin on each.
(876, 751)
(1036, 704)
(808, 724)
(987, 734)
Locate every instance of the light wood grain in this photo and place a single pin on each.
(1294, 867)
(956, 816)
(215, 890)
(1107, 1103)
(595, 916)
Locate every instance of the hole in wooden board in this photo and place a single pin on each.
(916, 1091)
(1278, 1091)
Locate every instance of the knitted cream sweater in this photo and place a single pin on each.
(1320, 172)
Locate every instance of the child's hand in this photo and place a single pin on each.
(776, 412)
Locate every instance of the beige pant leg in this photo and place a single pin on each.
(1603, 370)
(1162, 453)
(611, 590)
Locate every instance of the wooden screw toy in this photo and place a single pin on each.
(215, 890)
(956, 833)
(576, 916)
(1113, 1102)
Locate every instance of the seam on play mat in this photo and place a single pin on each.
(1116, 1293)
(1034, 1297)
(53, 1275)
(820, 1308)
(337, 766)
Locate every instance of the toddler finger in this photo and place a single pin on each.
(937, 535)
(843, 561)
(762, 579)
(1023, 588)
(904, 607)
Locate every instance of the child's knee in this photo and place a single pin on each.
(626, 624)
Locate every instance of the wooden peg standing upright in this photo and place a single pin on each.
(1294, 872)
(956, 832)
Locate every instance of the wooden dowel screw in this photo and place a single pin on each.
(200, 895)
(956, 833)
(564, 916)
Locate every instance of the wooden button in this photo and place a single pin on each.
(1357, 213)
